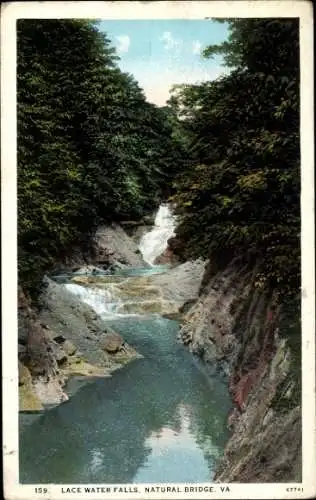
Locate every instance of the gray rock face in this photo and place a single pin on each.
(208, 324)
(34, 344)
(41, 360)
(58, 353)
(69, 348)
(266, 443)
(182, 283)
(109, 246)
(119, 247)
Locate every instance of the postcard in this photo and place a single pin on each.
(158, 250)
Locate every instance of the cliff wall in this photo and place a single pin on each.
(109, 245)
(246, 334)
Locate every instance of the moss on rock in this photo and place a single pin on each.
(25, 377)
(79, 366)
(28, 400)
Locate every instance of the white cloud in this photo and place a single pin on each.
(169, 41)
(197, 46)
(158, 82)
(124, 43)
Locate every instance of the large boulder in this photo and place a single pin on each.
(180, 284)
(167, 257)
(112, 342)
(176, 246)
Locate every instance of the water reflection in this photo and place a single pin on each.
(174, 450)
(159, 419)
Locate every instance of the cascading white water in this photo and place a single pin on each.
(154, 242)
(102, 301)
(107, 302)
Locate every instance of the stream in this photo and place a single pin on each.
(161, 418)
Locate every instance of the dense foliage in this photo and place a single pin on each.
(90, 147)
(241, 193)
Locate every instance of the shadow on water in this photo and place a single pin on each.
(159, 419)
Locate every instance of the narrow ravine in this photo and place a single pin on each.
(162, 300)
(161, 418)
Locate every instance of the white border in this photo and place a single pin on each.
(150, 10)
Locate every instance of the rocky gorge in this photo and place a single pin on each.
(64, 337)
(163, 286)
(226, 320)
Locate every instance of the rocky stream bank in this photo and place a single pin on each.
(64, 337)
(236, 328)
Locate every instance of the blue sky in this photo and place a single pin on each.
(160, 53)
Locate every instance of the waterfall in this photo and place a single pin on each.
(118, 299)
(101, 300)
(154, 242)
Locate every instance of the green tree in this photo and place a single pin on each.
(241, 192)
(90, 147)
